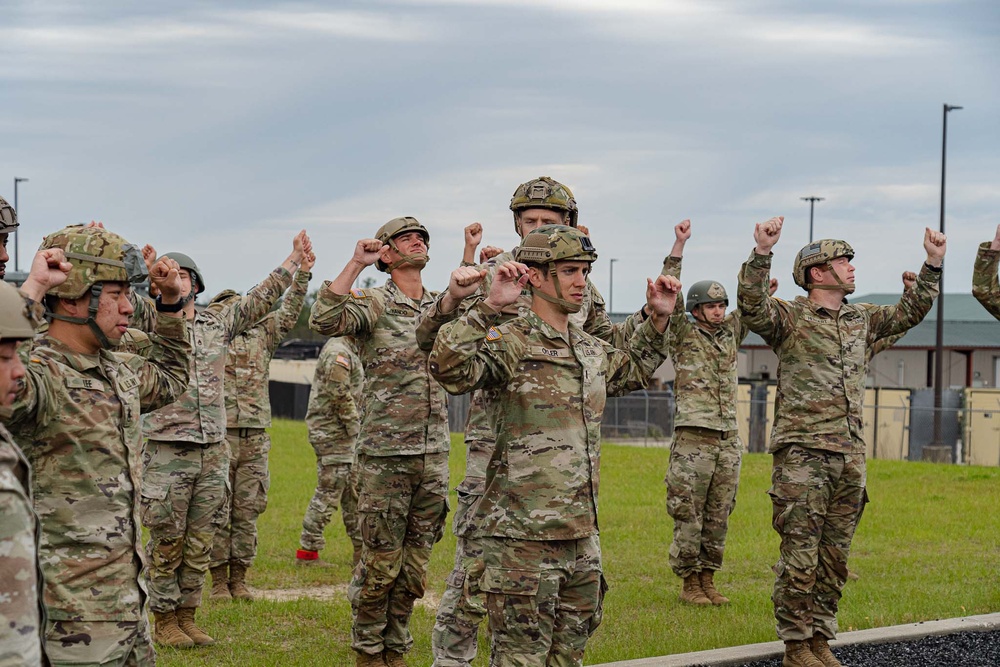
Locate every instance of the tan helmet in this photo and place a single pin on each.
(706, 291)
(14, 321)
(820, 253)
(549, 244)
(8, 217)
(390, 230)
(544, 192)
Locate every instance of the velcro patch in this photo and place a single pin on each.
(344, 361)
(84, 383)
(129, 383)
(358, 293)
(493, 334)
(539, 351)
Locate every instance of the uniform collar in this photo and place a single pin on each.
(75, 360)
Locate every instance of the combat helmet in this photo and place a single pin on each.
(14, 321)
(821, 253)
(97, 256)
(706, 291)
(544, 192)
(549, 244)
(185, 262)
(8, 217)
(390, 230)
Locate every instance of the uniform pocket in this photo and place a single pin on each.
(382, 521)
(511, 597)
(155, 508)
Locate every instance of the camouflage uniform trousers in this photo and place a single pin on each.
(544, 598)
(184, 492)
(99, 644)
(702, 480)
(336, 487)
(20, 618)
(249, 479)
(462, 607)
(817, 497)
(402, 506)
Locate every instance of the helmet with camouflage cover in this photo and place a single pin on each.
(98, 256)
(185, 262)
(821, 253)
(549, 244)
(8, 217)
(390, 230)
(14, 322)
(544, 192)
(706, 291)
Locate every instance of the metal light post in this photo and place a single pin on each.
(16, 254)
(611, 289)
(812, 203)
(939, 329)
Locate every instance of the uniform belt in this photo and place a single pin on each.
(710, 432)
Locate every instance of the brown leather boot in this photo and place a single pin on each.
(692, 593)
(238, 582)
(220, 583)
(393, 659)
(706, 578)
(820, 647)
(185, 619)
(798, 654)
(167, 633)
(369, 660)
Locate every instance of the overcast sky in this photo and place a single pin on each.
(220, 129)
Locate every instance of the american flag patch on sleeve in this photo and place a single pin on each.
(344, 361)
(493, 334)
(358, 293)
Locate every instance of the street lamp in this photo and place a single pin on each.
(17, 180)
(939, 329)
(611, 289)
(812, 203)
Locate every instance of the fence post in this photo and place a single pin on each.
(758, 417)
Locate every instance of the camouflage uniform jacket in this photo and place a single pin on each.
(547, 390)
(705, 365)
(404, 410)
(248, 402)
(199, 416)
(332, 417)
(823, 355)
(985, 285)
(77, 419)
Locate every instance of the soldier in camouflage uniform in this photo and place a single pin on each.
(538, 202)
(187, 457)
(8, 225)
(248, 415)
(77, 419)
(706, 452)
(334, 421)
(985, 284)
(536, 522)
(818, 478)
(21, 613)
(404, 440)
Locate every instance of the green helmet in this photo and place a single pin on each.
(819, 253)
(8, 217)
(390, 230)
(14, 322)
(544, 192)
(97, 256)
(706, 291)
(554, 243)
(185, 262)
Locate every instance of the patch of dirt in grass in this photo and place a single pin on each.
(327, 593)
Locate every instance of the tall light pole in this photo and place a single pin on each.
(17, 180)
(611, 289)
(812, 203)
(939, 329)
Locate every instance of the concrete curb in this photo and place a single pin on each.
(737, 655)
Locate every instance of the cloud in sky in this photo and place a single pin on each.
(221, 131)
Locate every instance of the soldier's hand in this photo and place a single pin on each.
(772, 286)
(300, 246)
(308, 261)
(488, 253)
(508, 281)
(165, 276)
(766, 234)
(995, 244)
(909, 280)
(96, 223)
(463, 282)
(148, 256)
(583, 229)
(367, 251)
(935, 243)
(49, 269)
(682, 230)
(661, 298)
(473, 235)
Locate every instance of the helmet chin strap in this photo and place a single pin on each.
(90, 320)
(711, 326)
(847, 288)
(569, 306)
(418, 260)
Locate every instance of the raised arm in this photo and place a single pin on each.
(760, 311)
(985, 285)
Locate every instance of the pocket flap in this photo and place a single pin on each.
(373, 504)
(154, 492)
(510, 582)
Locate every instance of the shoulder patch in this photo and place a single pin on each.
(343, 361)
(493, 334)
(358, 293)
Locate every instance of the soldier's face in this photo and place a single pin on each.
(572, 277)
(840, 266)
(712, 313)
(531, 219)
(11, 372)
(4, 257)
(113, 310)
(185, 283)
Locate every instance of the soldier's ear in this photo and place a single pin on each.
(536, 276)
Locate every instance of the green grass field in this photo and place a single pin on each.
(928, 548)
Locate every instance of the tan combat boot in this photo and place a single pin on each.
(220, 583)
(185, 619)
(692, 593)
(167, 633)
(393, 659)
(706, 579)
(238, 582)
(820, 647)
(369, 660)
(797, 654)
